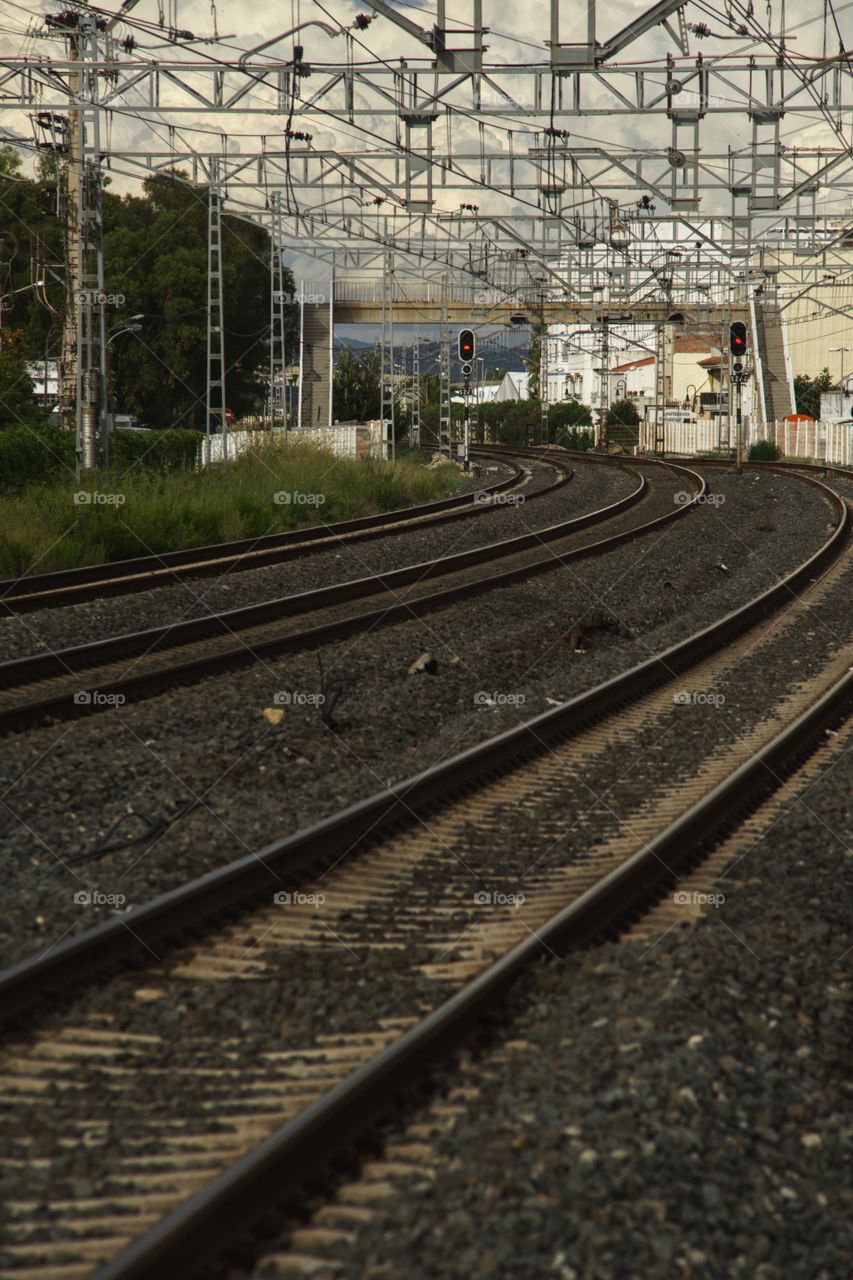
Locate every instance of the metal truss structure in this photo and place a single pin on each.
(216, 414)
(387, 384)
(445, 422)
(415, 425)
(681, 160)
(278, 363)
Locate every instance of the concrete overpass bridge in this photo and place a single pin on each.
(325, 304)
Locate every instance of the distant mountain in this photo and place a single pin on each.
(506, 357)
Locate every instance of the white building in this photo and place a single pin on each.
(573, 355)
(45, 392)
(836, 406)
(514, 386)
(480, 393)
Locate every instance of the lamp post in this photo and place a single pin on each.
(131, 325)
(842, 351)
(37, 284)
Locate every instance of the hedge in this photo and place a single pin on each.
(31, 455)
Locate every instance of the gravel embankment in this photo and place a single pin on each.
(591, 487)
(681, 1109)
(258, 781)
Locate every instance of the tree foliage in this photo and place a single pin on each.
(807, 391)
(622, 413)
(155, 256)
(519, 421)
(17, 407)
(356, 385)
(533, 363)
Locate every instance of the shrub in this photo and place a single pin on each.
(29, 454)
(173, 450)
(146, 509)
(764, 451)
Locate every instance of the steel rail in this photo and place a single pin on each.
(135, 935)
(783, 466)
(278, 1167)
(60, 587)
(19, 672)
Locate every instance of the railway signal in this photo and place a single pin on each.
(467, 346)
(737, 338)
(467, 349)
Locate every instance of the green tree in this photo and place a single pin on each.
(533, 363)
(622, 413)
(569, 413)
(155, 254)
(10, 161)
(807, 392)
(155, 249)
(17, 407)
(430, 388)
(356, 385)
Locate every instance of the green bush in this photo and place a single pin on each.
(42, 454)
(171, 450)
(764, 451)
(29, 454)
(142, 509)
(576, 439)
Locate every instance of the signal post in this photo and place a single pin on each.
(737, 346)
(467, 351)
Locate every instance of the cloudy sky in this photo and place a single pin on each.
(600, 138)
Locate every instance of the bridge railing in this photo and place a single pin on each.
(370, 290)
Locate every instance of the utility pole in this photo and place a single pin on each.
(415, 432)
(444, 430)
(83, 353)
(278, 419)
(386, 371)
(604, 380)
(543, 378)
(68, 344)
(215, 395)
(88, 265)
(660, 388)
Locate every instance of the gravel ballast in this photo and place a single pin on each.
(388, 720)
(500, 660)
(49, 629)
(674, 1108)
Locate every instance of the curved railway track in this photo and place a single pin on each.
(96, 676)
(327, 1094)
(142, 573)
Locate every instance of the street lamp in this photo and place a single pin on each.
(36, 284)
(690, 400)
(131, 325)
(842, 351)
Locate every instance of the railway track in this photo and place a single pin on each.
(89, 678)
(297, 1106)
(142, 573)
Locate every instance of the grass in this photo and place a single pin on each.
(42, 527)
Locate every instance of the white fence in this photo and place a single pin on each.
(830, 442)
(344, 440)
(700, 436)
